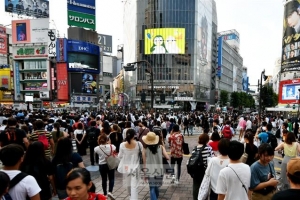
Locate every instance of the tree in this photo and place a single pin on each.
(223, 97)
(268, 97)
(243, 99)
(235, 99)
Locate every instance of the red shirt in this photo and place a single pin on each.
(176, 140)
(214, 145)
(92, 196)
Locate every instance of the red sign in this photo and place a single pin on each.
(3, 40)
(289, 91)
(62, 81)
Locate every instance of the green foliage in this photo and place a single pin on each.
(243, 99)
(223, 97)
(268, 97)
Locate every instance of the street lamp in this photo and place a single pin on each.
(262, 77)
(149, 71)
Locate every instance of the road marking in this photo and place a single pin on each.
(278, 158)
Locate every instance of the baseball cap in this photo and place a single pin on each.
(293, 167)
(291, 7)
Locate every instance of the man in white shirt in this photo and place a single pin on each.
(234, 180)
(248, 124)
(12, 157)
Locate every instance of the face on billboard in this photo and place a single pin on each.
(32, 8)
(289, 91)
(21, 32)
(89, 84)
(291, 37)
(165, 41)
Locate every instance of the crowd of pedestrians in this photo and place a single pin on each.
(41, 154)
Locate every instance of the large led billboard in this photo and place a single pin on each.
(30, 31)
(165, 41)
(290, 60)
(30, 8)
(89, 83)
(289, 91)
(83, 57)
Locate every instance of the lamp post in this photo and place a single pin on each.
(130, 67)
(260, 88)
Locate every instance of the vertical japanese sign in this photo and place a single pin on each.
(61, 50)
(3, 40)
(52, 43)
(220, 52)
(62, 82)
(17, 73)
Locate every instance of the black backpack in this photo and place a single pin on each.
(278, 132)
(195, 163)
(272, 140)
(92, 138)
(13, 183)
(61, 173)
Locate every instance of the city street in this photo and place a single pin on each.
(182, 191)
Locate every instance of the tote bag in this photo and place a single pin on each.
(112, 160)
(205, 184)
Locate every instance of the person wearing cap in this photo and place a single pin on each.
(292, 18)
(153, 166)
(293, 174)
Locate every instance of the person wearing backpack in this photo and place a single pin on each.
(44, 137)
(13, 135)
(272, 140)
(21, 184)
(57, 133)
(227, 131)
(49, 126)
(4, 185)
(198, 161)
(92, 135)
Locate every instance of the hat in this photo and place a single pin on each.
(151, 138)
(291, 7)
(293, 166)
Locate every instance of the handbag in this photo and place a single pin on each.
(112, 160)
(244, 157)
(141, 163)
(185, 147)
(205, 184)
(267, 190)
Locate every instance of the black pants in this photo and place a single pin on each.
(93, 156)
(213, 195)
(196, 186)
(178, 161)
(104, 172)
(187, 130)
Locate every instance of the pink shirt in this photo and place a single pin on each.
(242, 124)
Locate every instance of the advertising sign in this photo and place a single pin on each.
(51, 43)
(36, 86)
(3, 40)
(83, 6)
(105, 43)
(61, 49)
(291, 37)
(30, 31)
(83, 57)
(289, 91)
(17, 78)
(5, 78)
(89, 83)
(35, 75)
(81, 20)
(30, 8)
(165, 41)
(30, 52)
(220, 53)
(62, 81)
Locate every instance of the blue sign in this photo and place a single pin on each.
(61, 50)
(17, 72)
(83, 57)
(83, 6)
(220, 53)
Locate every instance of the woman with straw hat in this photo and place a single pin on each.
(153, 166)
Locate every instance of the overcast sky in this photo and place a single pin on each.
(259, 23)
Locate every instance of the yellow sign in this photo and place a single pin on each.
(165, 41)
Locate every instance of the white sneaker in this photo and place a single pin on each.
(173, 179)
(177, 182)
(111, 196)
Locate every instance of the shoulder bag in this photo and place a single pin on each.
(240, 181)
(267, 190)
(244, 157)
(112, 160)
(185, 147)
(205, 184)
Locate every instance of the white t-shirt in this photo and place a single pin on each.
(101, 154)
(248, 124)
(214, 167)
(229, 184)
(27, 186)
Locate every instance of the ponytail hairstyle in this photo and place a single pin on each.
(130, 133)
(57, 126)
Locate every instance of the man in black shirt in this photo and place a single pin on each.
(92, 137)
(293, 174)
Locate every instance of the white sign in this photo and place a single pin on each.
(39, 30)
(51, 43)
(163, 87)
(184, 99)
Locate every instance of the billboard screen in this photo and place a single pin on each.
(76, 85)
(291, 37)
(289, 91)
(3, 40)
(62, 82)
(83, 57)
(30, 8)
(30, 31)
(165, 41)
(89, 83)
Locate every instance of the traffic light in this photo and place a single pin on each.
(143, 97)
(294, 106)
(162, 98)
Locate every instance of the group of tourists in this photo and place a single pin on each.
(41, 153)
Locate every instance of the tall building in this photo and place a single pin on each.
(179, 41)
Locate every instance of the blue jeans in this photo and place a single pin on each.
(104, 172)
(154, 192)
(191, 128)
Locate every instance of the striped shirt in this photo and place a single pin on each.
(35, 137)
(206, 152)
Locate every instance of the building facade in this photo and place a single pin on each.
(184, 64)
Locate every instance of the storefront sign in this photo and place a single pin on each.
(61, 49)
(17, 72)
(62, 82)
(184, 99)
(81, 20)
(165, 87)
(52, 43)
(29, 52)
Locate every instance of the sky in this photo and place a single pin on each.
(259, 23)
